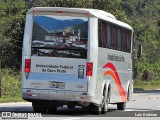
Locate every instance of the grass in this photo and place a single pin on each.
(147, 85)
(11, 86)
(5, 99)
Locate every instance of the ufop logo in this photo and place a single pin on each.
(6, 114)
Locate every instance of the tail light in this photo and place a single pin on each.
(29, 94)
(61, 12)
(89, 69)
(27, 65)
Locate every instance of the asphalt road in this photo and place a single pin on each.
(146, 104)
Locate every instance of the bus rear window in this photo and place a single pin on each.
(59, 36)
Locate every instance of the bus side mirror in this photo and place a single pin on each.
(139, 52)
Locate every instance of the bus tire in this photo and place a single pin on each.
(85, 109)
(39, 107)
(128, 94)
(96, 109)
(105, 108)
(71, 106)
(52, 109)
(121, 106)
(106, 100)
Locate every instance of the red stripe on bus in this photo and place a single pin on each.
(116, 78)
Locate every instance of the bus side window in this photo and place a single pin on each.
(104, 34)
(114, 36)
(124, 41)
(128, 41)
(109, 36)
(100, 33)
(119, 39)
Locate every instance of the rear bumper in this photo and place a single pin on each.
(34, 94)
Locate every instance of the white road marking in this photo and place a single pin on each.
(71, 119)
(15, 103)
(136, 110)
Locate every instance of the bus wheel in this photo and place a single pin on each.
(39, 107)
(121, 106)
(52, 108)
(105, 102)
(96, 109)
(129, 94)
(71, 106)
(85, 109)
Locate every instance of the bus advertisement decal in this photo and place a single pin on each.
(113, 73)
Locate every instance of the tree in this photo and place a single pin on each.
(11, 33)
(144, 17)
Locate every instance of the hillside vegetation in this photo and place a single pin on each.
(142, 15)
(144, 18)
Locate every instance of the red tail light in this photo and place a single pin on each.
(27, 65)
(61, 12)
(89, 69)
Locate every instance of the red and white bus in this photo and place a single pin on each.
(76, 57)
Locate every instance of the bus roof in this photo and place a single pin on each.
(94, 12)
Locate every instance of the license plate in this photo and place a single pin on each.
(60, 85)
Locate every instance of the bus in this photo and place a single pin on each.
(76, 57)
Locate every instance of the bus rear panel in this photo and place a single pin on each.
(55, 62)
